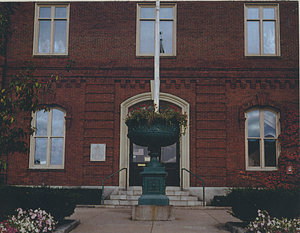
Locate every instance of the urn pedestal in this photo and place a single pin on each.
(154, 137)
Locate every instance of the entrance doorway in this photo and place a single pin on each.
(183, 158)
(169, 157)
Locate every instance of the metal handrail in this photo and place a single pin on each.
(184, 169)
(102, 203)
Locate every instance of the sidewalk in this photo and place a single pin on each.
(204, 220)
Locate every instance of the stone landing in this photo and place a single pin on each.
(153, 212)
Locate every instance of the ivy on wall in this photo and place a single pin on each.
(288, 173)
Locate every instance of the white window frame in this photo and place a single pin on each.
(261, 20)
(262, 166)
(32, 165)
(138, 26)
(36, 28)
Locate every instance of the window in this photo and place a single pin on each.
(262, 30)
(146, 28)
(48, 141)
(51, 29)
(262, 130)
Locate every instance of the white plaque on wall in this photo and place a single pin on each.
(98, 152)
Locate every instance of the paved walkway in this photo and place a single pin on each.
(204, 220)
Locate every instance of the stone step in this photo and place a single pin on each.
(120, 202)
(130, 197)
(183, 198)
(177, 193)
(169, 192)
(171, 197)
(134, 188)
(170, 188)
(130, 192)
(186, 203)
(135, 202)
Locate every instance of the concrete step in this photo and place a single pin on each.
(134, 188)
(130, 197)
(171, 197)
(177, 193)
(133, 191)
(121, 202)
(182, 198)
(170, 188)
(186, 203)
(130, 192)
(135, 202)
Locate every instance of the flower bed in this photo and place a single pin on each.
(264, 223)
(29, 221)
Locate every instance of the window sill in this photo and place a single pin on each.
(262, 57)
(152, 56)
(45, 169)
(50, 56)
(261, 169)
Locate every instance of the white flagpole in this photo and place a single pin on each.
(156, 57)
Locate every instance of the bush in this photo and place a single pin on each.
(280, 203)
(88, 196)
(59, 202)
(220, 201)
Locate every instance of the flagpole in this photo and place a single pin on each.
(156, 57)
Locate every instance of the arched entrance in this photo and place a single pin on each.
(126, 147)
(169, 155)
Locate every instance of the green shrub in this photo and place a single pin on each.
(220, 201)
(88, 196)
(59, 202)
(280, 203)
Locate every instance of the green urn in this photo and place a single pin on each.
(154, 136)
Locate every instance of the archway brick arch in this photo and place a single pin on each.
(261, 99)
(124, 142)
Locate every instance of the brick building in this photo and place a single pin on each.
(231, 65)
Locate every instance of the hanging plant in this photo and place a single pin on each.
(146, 115)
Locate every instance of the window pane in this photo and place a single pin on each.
(253, 124)
(269, 13)
(56, 151)
(44, 36)
(166, 28)
(41, 123)
(45, 12)
(253, 153)
(270, 153)
(168, 154)
(269, 124)
(166, 13)
(148, 12)
(140, 154)
(147, 37)
(60, 36)
(40, 151)
(253, 37)
(57, 123)
(60, 12)
(253, 13)
(269, 37)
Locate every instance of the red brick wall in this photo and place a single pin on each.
(210, 72)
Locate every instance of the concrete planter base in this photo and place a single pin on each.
(153, 212)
